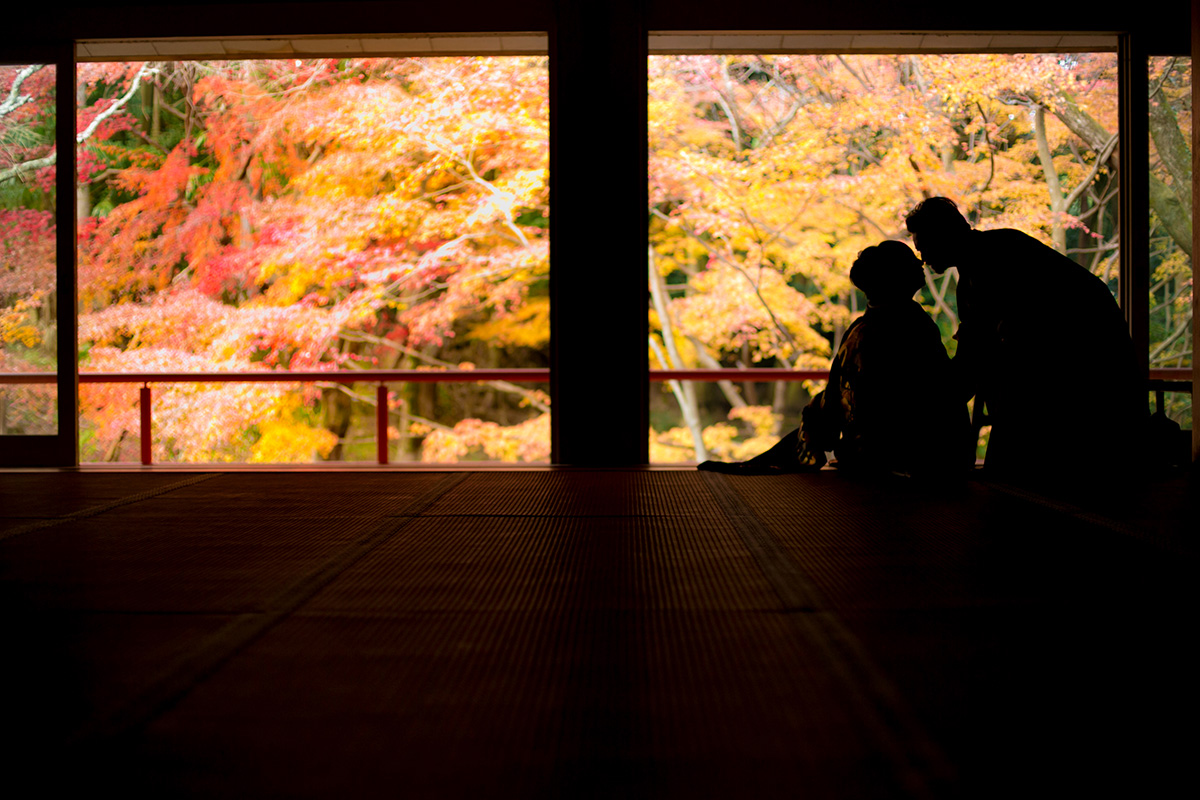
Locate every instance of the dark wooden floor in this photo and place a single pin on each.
(592, 634)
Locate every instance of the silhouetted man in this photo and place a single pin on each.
(1042, 342)
(889, 405)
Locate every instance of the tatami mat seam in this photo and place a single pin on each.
(181, 677)
(919, 763)
(100, 509)
(1093, 518)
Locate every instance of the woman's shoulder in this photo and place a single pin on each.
(903, 327)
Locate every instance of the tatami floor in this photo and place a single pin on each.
(602, 633)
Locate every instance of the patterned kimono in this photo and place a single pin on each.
(890, 404)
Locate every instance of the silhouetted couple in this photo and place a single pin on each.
(1041, 343)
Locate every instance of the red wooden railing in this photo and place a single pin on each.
(1174, 380)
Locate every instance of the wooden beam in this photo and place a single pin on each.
(1195, 51)
(598, 229)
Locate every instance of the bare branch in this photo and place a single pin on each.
(17, 170)
(658, 294)
(689, 419)
(727, 107)
(1101, 159)
(87, 132)
(857, 77)
(1166, 74)
(991, 159)
(939, 298)
(141, 135)
(777, 127)
(862, 217)
(359, 336)
(1175, 334)
(727, 388)
(717, 254)
(437, 426)
(15, 99)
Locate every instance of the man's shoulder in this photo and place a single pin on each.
(1003, 246)
(1007, 237)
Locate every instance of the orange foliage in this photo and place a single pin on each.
(768, 174)
(316, 206)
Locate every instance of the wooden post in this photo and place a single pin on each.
(1195, 237)
(144, 407)
(598, 50)
(381, 420)
(1134, 221)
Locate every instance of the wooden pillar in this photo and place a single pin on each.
(1132, 71)
(146, 428)
(1195, 230)
(598, 200)
(381, 423)
(66, 289)
(61, 448)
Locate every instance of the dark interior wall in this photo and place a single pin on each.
(598, 182)
(1165, 28)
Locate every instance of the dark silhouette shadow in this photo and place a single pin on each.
(890, 404)
(1043, 344)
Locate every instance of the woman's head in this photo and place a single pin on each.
(887, 272)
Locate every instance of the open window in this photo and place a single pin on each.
(775, 158)
(282, 215)
(37, 376)
(1170, 252)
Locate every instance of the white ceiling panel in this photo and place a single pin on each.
(276, 46)
(874, 41)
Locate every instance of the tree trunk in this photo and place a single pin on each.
(337, 419)
(83, 191)
(685, 392)
(839, 330)
(1057, 232)
(778, 406)
(1175, 217)
(156, 114)
(83, 201)
(1172, 149)
(147, 105)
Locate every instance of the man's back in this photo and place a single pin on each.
(1010, 278)
(1044, 343)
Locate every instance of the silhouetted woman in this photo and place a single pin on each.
(889, 405)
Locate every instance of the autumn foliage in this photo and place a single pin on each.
(336, 214)
(27, 246)
(317, 215)
(768, 174)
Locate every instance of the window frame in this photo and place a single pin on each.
(60, 449)
(598, 353)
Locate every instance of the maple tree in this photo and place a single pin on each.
(318, 215)
(1171, 285)
(768, 174)
(332, 214)
(28, 300)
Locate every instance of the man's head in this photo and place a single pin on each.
(937, 226)
(889, 272)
